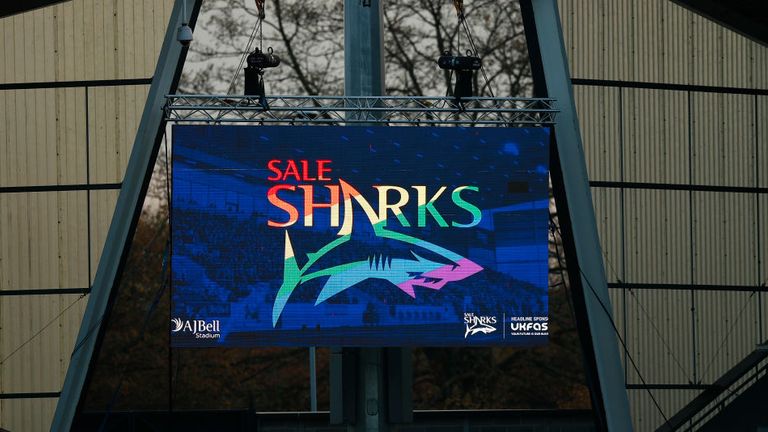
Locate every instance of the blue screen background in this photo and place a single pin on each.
(227, 263)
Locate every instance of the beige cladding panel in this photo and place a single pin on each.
(655, 136)
(83, 40)
(40, 364)
(102, 209)
(659, 326)
(762, 253)
(27, 414)
(716, 238)
(599, 117)
(42, 137)
(618, 298)
(657, 236)
(43, 240)
(607, 203)
(724, 341)
(725, 240)
(657, 41)
(761, 122)
(43, 141)
(724, 140)
(114, 114)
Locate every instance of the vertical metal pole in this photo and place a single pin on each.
(371, 407)
(358, 375)
(571, 183)
(312, 379)
(363, 60)
(363, 76)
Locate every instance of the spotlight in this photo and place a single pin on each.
(258, 61)
(263, 60)
(465, 67)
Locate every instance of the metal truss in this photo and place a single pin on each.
(340, 110)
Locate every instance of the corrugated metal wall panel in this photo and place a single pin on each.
(675, 51)
(723, 139)
(655, 139)
(115, 113)
(44, 235)
(102, 209)
(28, 414)
(657, 41)
(618, 299)
(42, 135)
(600, 131)
(657, 236)
(714, 240)
(724, 238)
(607, 204)
(759, 71)
(43, 240)
(617, 38)
(84, 40)
(728, 331)
(762, 269)
(38, 367)
(659, 322)
(761, 121)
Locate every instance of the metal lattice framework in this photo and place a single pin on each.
(339, 110)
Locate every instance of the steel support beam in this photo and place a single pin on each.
(363, 379)
(363, 47)
(552, 78)
(127, 210)
(363, 76)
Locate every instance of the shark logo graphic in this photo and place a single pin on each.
(478, 328)
(177, 324)
(405, 274)
(478, 324)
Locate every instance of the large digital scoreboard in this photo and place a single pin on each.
(359, 236)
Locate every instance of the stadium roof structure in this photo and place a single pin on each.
(746, 17)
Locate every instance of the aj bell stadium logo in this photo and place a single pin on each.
(201, 329)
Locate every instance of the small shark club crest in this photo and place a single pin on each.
(478, 324)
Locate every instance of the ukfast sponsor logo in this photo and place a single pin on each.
(528, 326)
(201, 329)
(478, 324)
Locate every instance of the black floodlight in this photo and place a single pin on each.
(465, 67)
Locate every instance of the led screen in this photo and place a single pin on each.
(359, 236)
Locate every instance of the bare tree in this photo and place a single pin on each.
(418, 31)
(308, 36)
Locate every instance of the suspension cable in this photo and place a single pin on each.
(473, 47)
(256, 27)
